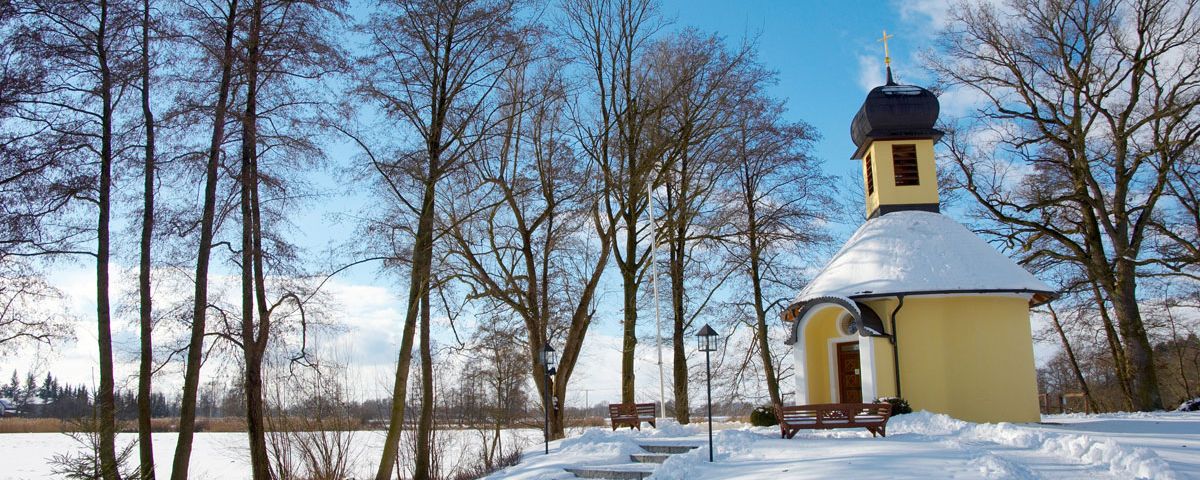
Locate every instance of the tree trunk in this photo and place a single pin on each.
(1114, 346)
(146, 320)
(421, 469)
(418, 285)
(104, 397)
(254, 337)
(1144, 375)
(191, 378)
(629, 277)
(679, 367)
(581, 319)
(760, 312)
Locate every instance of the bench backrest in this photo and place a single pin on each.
(640, 410)
(834, 413)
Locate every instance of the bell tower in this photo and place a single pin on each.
(893, 134)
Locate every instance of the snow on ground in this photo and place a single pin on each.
(221, 456)
(918, 446)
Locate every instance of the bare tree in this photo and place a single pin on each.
(287, 44)
(1180, 227)
(89, 47)
(781, 202)
(145, 305)
(33, 189)
(430, 67)
(704, 79)
(610, 38)
(1057, 323)
(516, 227)
(221, 23)
(1098, 99)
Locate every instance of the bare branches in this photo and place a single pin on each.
(1097, 101)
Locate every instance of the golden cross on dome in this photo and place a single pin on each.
(887, 59)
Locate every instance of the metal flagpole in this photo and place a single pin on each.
(662, 391)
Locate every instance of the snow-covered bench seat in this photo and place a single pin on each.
(631, 415)
(872, 416)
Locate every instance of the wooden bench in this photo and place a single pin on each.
(872, 416)
(631, 415)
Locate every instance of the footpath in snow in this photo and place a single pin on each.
(920, 445)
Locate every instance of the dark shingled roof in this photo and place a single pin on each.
(894, 111)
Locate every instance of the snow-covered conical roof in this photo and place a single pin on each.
(914, 252)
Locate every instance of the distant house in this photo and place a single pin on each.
(8, 408)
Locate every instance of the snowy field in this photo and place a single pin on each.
(220, 456)
(921, 445)
(918, 446)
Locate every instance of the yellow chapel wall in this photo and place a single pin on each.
(970, 357)
(818, 330)
(886, 192)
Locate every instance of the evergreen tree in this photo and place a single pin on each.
(14, 386)
(30, 391)
(10, 390)
(49, 390)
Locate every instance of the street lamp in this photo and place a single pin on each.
(706, 340)
(549, 358)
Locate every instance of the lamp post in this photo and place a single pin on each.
(706, 339)
(549, 359)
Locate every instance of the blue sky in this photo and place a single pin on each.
(827, 57)
(827, 54)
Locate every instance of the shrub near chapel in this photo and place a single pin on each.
(763, 416)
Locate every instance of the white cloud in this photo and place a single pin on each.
(871, 72)
(934, 13)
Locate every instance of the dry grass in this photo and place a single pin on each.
(587, 422)
(32, 425)
(54, 425)
(232, 424)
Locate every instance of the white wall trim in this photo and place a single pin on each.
(866, 355)
(799, 350)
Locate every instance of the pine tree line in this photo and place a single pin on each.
(51, 398)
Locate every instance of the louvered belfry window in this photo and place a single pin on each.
(904, 163)
(870, 174)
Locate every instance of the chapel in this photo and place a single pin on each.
(915, 305)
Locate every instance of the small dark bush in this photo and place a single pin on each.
(899, 405)
(1192, 405)
(763, 416)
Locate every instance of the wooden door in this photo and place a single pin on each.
(849, 376)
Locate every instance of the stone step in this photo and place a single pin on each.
(649, 457)
(668, 449)
(634, 471)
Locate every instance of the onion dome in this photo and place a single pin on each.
(894, 111)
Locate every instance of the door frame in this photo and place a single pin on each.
(800, 351)
(835, 389)
(857, 355)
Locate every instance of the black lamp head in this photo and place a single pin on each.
(707, 339)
